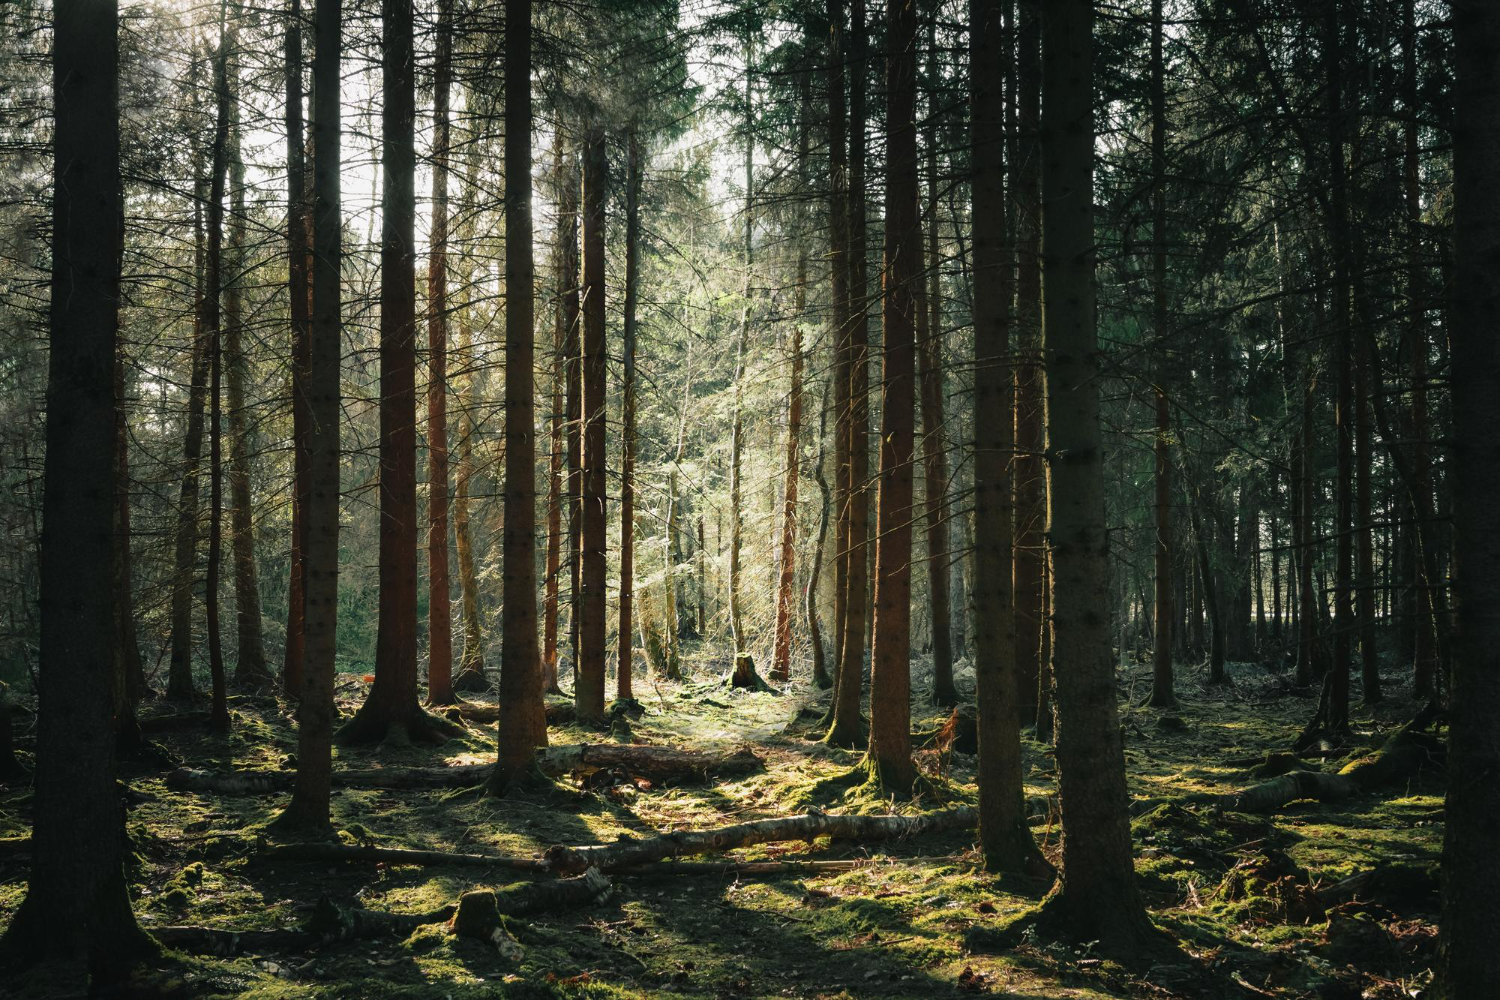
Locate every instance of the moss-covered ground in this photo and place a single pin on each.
(1240, 893)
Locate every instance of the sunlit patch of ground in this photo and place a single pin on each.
(893, 927)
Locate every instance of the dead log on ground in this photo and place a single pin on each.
(348, 853)
(654, 763)
(627, 854)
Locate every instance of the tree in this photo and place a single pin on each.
(439, 614)
(626, 632)
(308, 810)
(299, 294)
(1095, 898)
(1469, 949)
(838, 307)
(1163, 693)
(76, 912)
(1004, 836)
(563, 283)
(744, 666)
(588, 685)
(523, 721)
(890, 662)
(392, 702)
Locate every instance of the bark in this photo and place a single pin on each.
(626, 630)
(250, 668)
(471, 676)
(523, 721)
(1096, 896)
(1337, 718)
(180, 669)
(934, 443)
(1029, 558)
(568, 215)
(630, 853)
(844, 728)
(588, 686)
(556, 420)
(309, 807)
(439, 606)
(1364, 531)
(821, 677)
(1163, 694)
(300, 306)
(130, 676)
(1469, 948)
(838, 268)
(890, 758)
(76, 908)
(1004, 836)
(391, 706)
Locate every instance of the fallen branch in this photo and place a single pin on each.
(628, 854)
(651, 762)
(331, 924)
(347, 853)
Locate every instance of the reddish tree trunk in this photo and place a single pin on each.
(588, 688)
(626, 631)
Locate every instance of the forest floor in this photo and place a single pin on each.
(1241, 894)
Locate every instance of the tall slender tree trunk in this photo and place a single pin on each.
(744, 667)
(77, 908)
(130, 675)
(838, 268)
(213, 281)
(439, 606)
(250, 668)
(563, 281)
(1029, 562)
(626, 631)
(309, 807)
(470, 676)
(1095, 898)
(1004, 836)
(1336, 701)
(934, 443)
(588, 687)
(890, 761)
(523, 720)
(820, 675)
(567, 210)
(845, 727)
(391, 708)
(1163, 693)
(1469, 947)
(300, 306)
(1364, 529)
(180, 669)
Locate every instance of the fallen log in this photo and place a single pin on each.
(653, 763)
(348, 853)
(624, 855)
(331, 924)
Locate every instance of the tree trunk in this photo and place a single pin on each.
(567, 210)
(1469, 948)
(1029, 560)
(130, 676)
(250, 660)
(1337, 720)
(744, 667)
(626, 630)
(890, 760)
(1163, 693)
(588, 687)
(1004, 836)
(77, 908)
(299, 294)
(844, 729)
(180, 670)
(308, 809)
(1095, 898)
(213, 282)
(523, 720)
(839, 329)
(392, 706)
(439, 613)
(820, 675)
(934, 443)
(562, 282)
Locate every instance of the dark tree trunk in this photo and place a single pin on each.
(626, 630)
(1337, 702)
(523, 720)
(1469, 949)
(1004, 836)
(563, 282)
(250, 668)
(1095, 898)
(838, 269)
(299, 296)
(1029, 553)
(567, 210)
(76, 908)
(213, 282)
(309, 807)
(890, 760)
(1163, 693)
(588, 686)
(439, 588)
(391, 706)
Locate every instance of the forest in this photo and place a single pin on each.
(748, 499)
